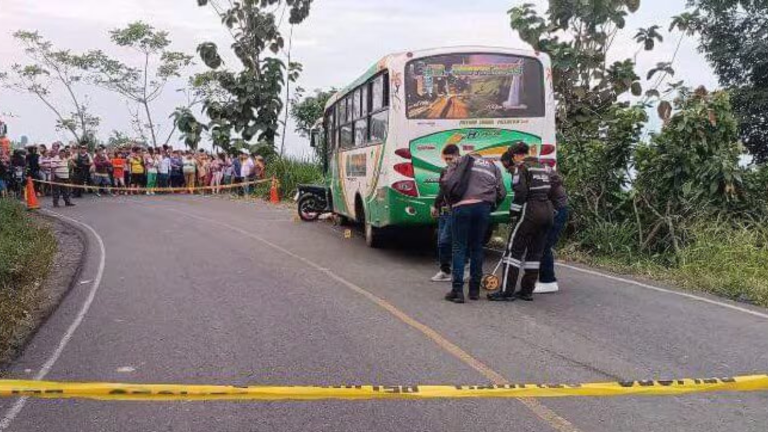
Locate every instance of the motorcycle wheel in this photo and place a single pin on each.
(307, 206)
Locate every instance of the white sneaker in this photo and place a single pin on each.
(543, 288)
(442, 276)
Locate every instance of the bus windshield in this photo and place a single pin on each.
(469, 86)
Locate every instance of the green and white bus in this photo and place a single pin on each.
(384, 133)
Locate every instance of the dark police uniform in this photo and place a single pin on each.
(532, 216)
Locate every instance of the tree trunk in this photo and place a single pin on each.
(145, 102)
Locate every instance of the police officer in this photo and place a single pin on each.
(531, 216)
(547, 281)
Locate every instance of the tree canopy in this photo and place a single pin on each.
(251, 115)
(734, 37)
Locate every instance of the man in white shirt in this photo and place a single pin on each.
(247, 168)
(60, 168)
(164, 170)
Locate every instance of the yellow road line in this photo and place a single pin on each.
(550, 417)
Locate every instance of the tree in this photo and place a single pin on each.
(54, 70)
(142, 84)
(734, 37)
(251, 112)
(305, 110)
(597, 131)
(691, 168)
(118, 139)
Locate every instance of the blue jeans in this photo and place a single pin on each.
(547, 266)
(162, 180)
(469, 224)
(102, 182)
(444, 242)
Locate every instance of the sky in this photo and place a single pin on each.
(337, 43)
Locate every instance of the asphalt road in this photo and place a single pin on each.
(202, 290)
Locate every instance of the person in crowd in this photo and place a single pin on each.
(61, 165)
(217, 172)
(19, 169)
(531, 215)
(138, 172)
(547, 280)
(5, 172)
(237, 170)
(259, 168)
(177, 170)
(189, 169)
(151, 163)
(228, 170)
(118, 170)
(102, 167)
(442, 211)
(483, 189)
(33, 166)
(247, 167)
(45, 168)
(83, 163)
(164, 170)
(203, 168)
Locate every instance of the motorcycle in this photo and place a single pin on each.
(312, 201)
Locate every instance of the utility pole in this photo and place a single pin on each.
(287, 94)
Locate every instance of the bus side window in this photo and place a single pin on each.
(378, 93)
(379, 122)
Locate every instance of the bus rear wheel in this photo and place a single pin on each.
(374, 237)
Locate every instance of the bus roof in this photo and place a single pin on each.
(386, 60)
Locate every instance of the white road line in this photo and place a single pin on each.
(667, 291)
(19, 405)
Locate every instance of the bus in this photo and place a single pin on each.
(382, 135)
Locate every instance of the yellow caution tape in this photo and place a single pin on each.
(171, 392)
(155, 189)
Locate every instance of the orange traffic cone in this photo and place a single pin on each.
(31, 196)
(274, 196)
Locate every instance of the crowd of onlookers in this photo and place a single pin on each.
(134, 169)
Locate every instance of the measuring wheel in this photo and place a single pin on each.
(490, 282)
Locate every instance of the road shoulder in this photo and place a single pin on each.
(63, 276)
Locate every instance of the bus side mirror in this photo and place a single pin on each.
(314, 137)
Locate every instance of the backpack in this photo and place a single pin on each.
(457, 182)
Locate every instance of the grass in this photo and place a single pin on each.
(728, 261)
(290, 173)
(27, 249)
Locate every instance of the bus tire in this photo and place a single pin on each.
(374, 237)
(342, 220)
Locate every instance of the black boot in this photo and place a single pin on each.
(524, 296)
(455, 296)
(501, 296)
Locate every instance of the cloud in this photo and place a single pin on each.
(338, 42)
